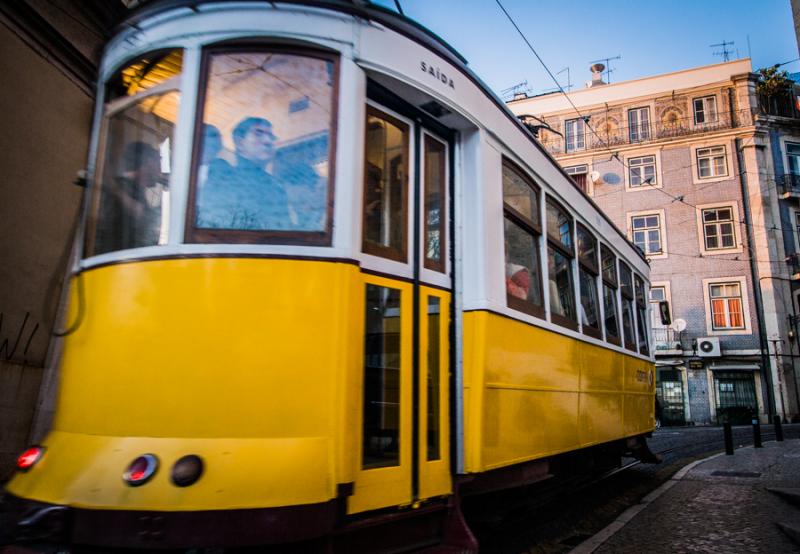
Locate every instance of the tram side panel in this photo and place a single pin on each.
(602, 397)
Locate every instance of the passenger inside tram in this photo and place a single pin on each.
(130, 213)
(246, 195)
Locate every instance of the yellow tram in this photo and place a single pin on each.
(326, 280)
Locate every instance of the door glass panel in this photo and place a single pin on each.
(385, 186)
(381, 378)
(435, 155)
(433, 378)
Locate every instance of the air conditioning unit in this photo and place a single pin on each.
(708, 347)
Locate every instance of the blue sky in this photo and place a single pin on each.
(651, 36)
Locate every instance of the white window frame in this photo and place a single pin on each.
(742, 282)
(655, 316)
(796, 229)
(657, 162)
(648, 131)
(737, 230)
(703, 100)
(712, 156)
(579, 131)
(661, 227)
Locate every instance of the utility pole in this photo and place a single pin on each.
(778, 370)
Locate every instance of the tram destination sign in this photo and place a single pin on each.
(434, 71)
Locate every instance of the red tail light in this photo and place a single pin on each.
(141, 470)
(29, 458)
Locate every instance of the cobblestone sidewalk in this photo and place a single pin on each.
(719, 505)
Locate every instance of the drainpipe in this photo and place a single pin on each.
(765, 363)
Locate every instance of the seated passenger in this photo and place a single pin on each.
(130, 207)
(518, 281)
(247, 196)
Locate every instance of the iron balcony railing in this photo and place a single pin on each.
(781, 105)
(666, 339)
(606, 133)
(790, 184)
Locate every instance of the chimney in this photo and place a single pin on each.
(597, 75)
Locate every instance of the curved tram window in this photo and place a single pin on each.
(263, 154)
(131, 200)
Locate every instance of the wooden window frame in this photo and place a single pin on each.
(369, 247)
(717, 225)
(563, 250)
(439, 265)
(614, 287)
(632, 303)
(702, 100)
(532, 228)
(641, 302)
(194, 234)
(642, 136)
(593, 271)
(711, 156)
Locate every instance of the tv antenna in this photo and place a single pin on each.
(512, 92)
(725, 53)
(569, 82)
(608, 65)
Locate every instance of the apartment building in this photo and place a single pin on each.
(692, 167)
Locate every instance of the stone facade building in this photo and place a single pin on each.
(686, 164)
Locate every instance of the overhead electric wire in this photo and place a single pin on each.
(607, 147)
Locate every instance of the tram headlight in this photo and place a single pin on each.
(29, 458)
(187, 470)
(141, 470)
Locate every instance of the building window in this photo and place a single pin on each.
(522, 232)
(560, 252)
(587, 273)
(726, 306)
(574, 134)
(626, 292)
(639, 124)
(793, 157)
(718, 229)
(642, 171)
(797, 229)
(647, 233)
(711, 162)
(579, 174)
(609, 271)
(705, 110)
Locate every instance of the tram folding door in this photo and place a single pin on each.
(405, 449)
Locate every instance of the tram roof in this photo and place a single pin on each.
(397, 22)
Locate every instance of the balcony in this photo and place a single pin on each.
(666, 339)
(606, 134)
(789, 186)
(780, 105)
(793, 261)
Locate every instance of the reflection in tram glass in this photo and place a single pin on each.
(130, 205)
(382, 378)
(264, 155)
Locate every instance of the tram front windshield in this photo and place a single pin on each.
(259, 170)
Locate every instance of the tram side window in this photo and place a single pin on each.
(587, 274)
(522, 235)
(130, 198)
(435, 203)
(641, 315)
(609, 270)
(385, 187)
(560, 252)
(626, 291)
(264, 153)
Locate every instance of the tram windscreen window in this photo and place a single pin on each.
(382, 343)
(130, 200)
(263, 148)
(522, 231)
(385, 186)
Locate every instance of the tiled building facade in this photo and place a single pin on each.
(685, 163)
